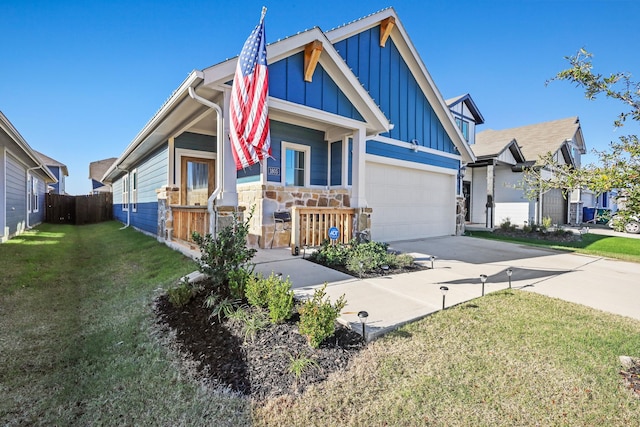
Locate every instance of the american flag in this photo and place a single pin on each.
(249, 135)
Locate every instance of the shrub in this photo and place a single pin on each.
(181, 294)
(238, 281)
(546, 224)
(331, 254)
(257, 289)
(403, 260)
(221, 306)
(225, 253)
(506, 225)
(369, 256)
(280, 302)
(318, 316)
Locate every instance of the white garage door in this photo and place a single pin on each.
(409, 203)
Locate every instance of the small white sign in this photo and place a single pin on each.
(273, 170)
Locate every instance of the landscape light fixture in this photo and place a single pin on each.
(385, 269)
(433, 257)
(444, 291)
(509, 273)
(483, 279)
(361, 268)
(362, 315)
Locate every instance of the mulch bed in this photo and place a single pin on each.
(376, 273)
(538, 235)
(258, 367)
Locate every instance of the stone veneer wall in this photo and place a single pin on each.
(266, 199)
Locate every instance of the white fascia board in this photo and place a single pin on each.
(360, 25)
(408, 145)
(280, 109)
(174, 100)
(409, 165)
(219, 75)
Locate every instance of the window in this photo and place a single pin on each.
(196, 180)
(134, 190)
(464, 127)
(29, 193)
(35, 206)
(125, 193)
(296, 161)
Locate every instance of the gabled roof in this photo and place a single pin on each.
(219, 76)
(538, 139)
(52, 162)
(410, 55)
(468, 101)
(98, 168)
(12, 132)
(494, 149)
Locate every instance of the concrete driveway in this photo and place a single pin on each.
(391, 301)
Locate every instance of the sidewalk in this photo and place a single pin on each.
(394, 300)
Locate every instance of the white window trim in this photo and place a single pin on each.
(283, 161)
(134, 190)
(183, 152)
(125, 192)
(29, 190)
(35, 195)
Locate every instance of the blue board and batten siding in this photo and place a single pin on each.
(286, 81)
(299, 135)
(387, 78)
(152, 175)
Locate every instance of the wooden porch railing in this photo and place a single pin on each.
(311, 225)
(187, 219)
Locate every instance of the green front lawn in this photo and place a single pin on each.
(623, 248)
(78, 346)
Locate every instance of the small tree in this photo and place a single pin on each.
(222, 256)
(619, 167)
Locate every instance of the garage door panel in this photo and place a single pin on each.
(409, 203)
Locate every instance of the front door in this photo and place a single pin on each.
(196, 180)
(466, 192)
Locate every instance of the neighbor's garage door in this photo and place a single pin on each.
(554, 205)
(409, 203)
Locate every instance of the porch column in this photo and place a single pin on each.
(358, 199)
(344, 173)
(229, 194)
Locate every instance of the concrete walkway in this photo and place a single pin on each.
(391, 301)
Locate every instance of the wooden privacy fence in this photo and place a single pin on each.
(78, 210)
(311, 225)
(187, 219)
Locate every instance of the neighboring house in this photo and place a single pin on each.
(358, 130)
(23, 182)
(97, 170)
(59, 170)
(467, 116)
(501, 157)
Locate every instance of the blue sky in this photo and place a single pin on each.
(79, 79)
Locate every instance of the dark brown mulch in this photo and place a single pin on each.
(260, 367)
(375, 273)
